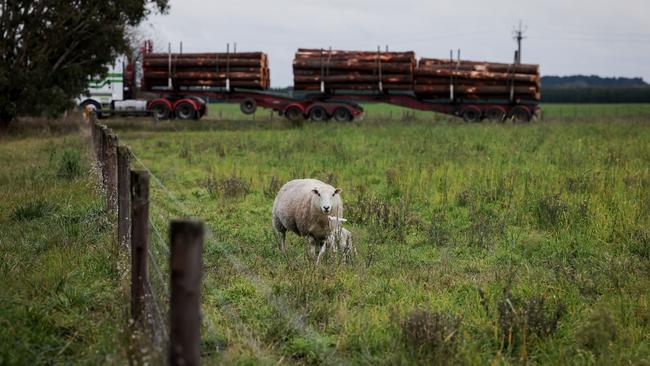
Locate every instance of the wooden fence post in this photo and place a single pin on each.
(139, 241)
(111, 172)
(123, 196)
(185, 304)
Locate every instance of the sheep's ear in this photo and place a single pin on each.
(338, 191)
(315, 191)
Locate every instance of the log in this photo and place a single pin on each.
(474, 89)
(355, 86)
(193, 75)
(353, 65)
(447, 81)
(354, 78)
(203, 62)
(479, 66)
(207, 54)
(475, 75)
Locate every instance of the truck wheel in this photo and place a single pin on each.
(342, 115)
(471, 114)
(185, 111)
(248, 106)
(318, 114)
(521, 114)
(294, 114)
(495, 114)
(95, 105)
(161, 111)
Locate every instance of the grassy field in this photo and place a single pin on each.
(60, 298)
(550, 112)
(477, 244)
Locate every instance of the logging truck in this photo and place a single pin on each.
(327, 85)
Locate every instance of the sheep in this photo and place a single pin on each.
(339, 238)
(303, 206)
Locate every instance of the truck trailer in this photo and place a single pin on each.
(244, 78)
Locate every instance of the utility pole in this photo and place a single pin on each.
(518, 35)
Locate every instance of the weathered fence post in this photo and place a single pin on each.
(186, 269)
(123, 196)
(111, 172)
(139, 240)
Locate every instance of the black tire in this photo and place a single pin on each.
(342, 114)
(97, 106)
(185, 111)
(202, 106)
(294, 114)
(318, 114)
(521, 115)
(495, 114)
(161, 111)
(248, 106)
(471, 115)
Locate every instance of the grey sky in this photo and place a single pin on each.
(604, 37)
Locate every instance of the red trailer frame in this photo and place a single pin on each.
(340, 106)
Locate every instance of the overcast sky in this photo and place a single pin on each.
(603, 37)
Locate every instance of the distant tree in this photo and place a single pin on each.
(49, 48)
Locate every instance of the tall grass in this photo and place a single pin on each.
(60, 297)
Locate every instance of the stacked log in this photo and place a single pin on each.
(476, 80)
(353, 70)
(248, 70)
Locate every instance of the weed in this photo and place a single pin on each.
(69, 164)
(273, 188)
(598, 333)
(32, 210)
(233, 187)
(521, 321)
(390, 220)
(550, 211)
(432, 336)
(437, 231)
(484, 226)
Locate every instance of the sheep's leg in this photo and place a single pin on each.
(323, 247)
(312, 246)
(281, 233)
(281, 236)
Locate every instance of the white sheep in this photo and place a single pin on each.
(339, 238)
(303, 206)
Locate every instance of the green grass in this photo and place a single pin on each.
(59, 296)
(477, 244)
(550, 112)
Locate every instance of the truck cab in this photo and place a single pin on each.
(103, 92)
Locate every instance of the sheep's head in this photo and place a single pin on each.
(324, 198)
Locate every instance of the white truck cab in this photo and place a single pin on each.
(103, 92)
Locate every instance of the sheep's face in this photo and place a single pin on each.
(323, 198)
